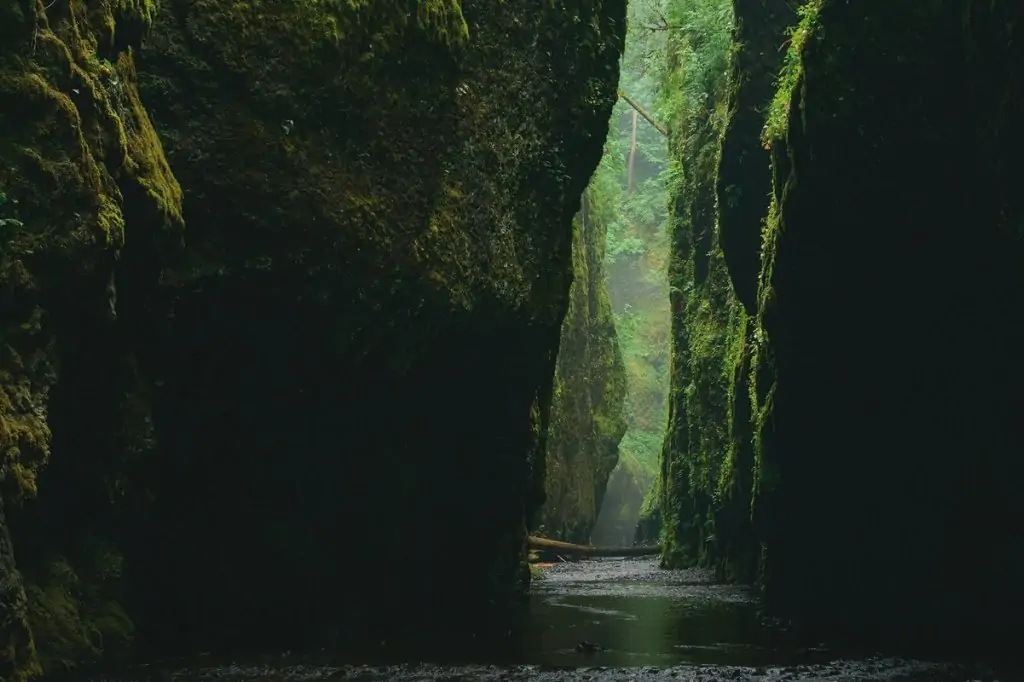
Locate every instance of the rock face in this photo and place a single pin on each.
(341, 367)
(744, 176)
(83, 174)
(879, 459)
(706, 463)
(649, 525)
(888, 395)
(587, 412)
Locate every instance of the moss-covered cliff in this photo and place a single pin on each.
(703, 502)
(720, 202)
(378, 274)
(83, 175)
(587, 415)
(848, 430)
(345, 365)
(886, 383)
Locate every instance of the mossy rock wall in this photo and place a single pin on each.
(847, 436)
(887, 384)
(743, 181)
(703, 508)
(87, 194)
(719, 206)
(704, 505)
(344, 363)
(847, 439)
(649, 525)
(371, 301)
(587, 411)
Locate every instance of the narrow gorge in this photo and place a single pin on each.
(312, 312)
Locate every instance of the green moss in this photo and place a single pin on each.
(716, 467)
(398, 186)
(588, 416)
(697, 462)
(733, 361)
(352, 26)
(143, 10)
(789, 76)
(860, 120)
(80, 148)
(398, 89)
(762, 378)
(78, 114)
(413, 180)
(71, 617)
(706, 464)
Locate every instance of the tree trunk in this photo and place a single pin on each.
(632, 158)
(569, 549)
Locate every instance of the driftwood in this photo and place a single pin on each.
(568, 549)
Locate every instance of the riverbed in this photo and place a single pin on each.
(608, 620)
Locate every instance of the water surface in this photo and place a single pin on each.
(645, 624)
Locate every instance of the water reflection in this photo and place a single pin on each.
(638, 615)
(643, 616)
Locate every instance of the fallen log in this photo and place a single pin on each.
(640, 110)
(569, 549)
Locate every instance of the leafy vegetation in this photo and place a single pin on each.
(631, 184)
(700, 489)
(778, 111)
(587, 419)
(661, 245)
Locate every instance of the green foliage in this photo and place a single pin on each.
(699, 450)
(587, 420)
(636, 261)
(778, 111)
(762, 393)
(693, 66)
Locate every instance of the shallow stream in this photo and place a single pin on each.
(609, 620)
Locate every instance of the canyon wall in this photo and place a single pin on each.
(864, 389)
(281, 293)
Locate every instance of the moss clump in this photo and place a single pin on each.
(587, 414)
